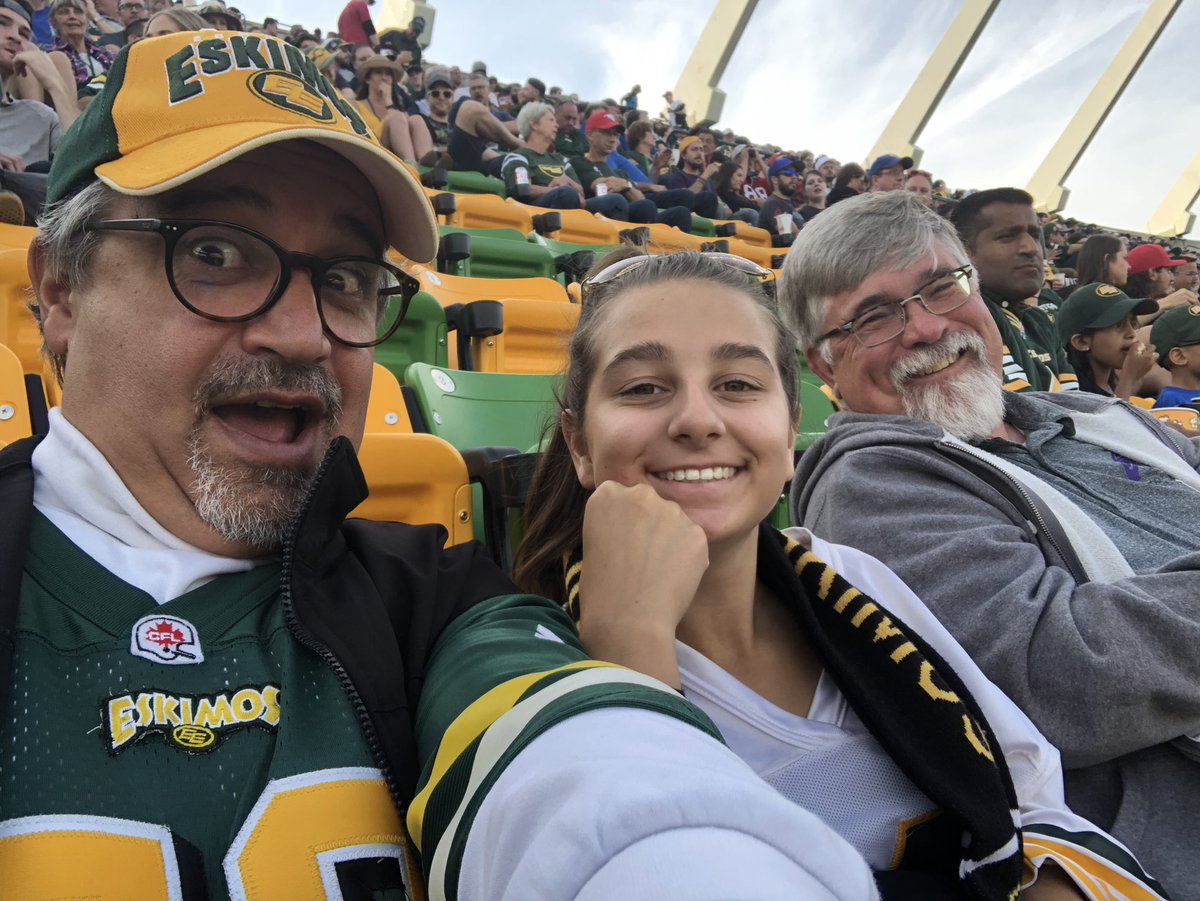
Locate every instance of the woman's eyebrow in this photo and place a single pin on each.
(735, 351)
(643, 351)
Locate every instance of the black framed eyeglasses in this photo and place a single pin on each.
(229, 273)
(765, 277)
(882, 322)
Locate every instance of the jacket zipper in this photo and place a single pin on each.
(1039, 522)
(306, 638)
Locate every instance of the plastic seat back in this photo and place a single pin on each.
(416, 479)
(452, 289)
(534, 339)
(483, 409)
(387, 413)
(15, 419)
(501, 258)
(489, 211)
(1185, 417)
(422, 337)
(18, 329)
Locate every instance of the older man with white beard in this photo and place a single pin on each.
(1054, 535)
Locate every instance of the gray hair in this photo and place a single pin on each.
(69, 247)
(529, 114)
(850, 242)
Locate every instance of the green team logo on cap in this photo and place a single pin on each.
(289, 92)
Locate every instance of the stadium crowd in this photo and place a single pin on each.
(1000, 504)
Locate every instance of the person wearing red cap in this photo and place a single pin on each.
(600, 181)
(1152, 276)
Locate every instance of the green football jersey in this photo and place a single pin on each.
(182, 750)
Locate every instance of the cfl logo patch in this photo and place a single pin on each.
(165, 639)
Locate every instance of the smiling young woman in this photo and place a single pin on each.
(820, 668)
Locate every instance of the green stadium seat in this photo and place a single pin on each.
(423, 337)
(469, 182)
(488, 417)
(498, 257)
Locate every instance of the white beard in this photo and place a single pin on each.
(971, 406)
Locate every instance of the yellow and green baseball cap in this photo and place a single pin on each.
(178, 106)
(1177, 327)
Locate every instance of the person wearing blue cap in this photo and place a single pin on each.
(887, 172)
(778, 214)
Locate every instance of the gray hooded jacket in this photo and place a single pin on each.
(1106, 662)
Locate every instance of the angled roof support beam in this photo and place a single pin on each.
(903, 130)
(1048, 184)
(697, 84)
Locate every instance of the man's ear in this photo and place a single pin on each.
(821, 368)
(53, 300)
(577, 445)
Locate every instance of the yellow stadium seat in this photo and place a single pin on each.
(15, 419)
(15, 236)
(451, 289)
(51, 387)
(535, 345)
(747, 233)
(18, 329)
(416, 479)
(534, 339)
(1144, 403)
(764, 256)
(1184, 417)
(668, 239)
(387, 413)
(490, 211)
(582, 227)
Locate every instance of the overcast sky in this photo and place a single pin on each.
(827, 77)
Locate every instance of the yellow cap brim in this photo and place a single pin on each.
(173, 161)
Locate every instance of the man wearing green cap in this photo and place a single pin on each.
(1176, 337)
(211, 685)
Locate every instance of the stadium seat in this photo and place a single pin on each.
(815, 408)
(668, 239)
(467, 182)
(767, 257)
(18, 329)
(416, 479)
(387, 411)
(422, 337)
(1184, 417)
(533, 340)
(452, 289)
(498, 257)
(15, 236)
(474, 306)
(489, 211)
(488, 417)
(743, 231)
(582, 227)
(482, 409)
(15, 419)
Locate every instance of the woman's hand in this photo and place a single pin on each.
(1139, 361)
(643, 562)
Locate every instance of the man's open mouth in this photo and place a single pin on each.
(272, 420)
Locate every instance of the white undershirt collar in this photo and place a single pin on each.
(77, 489)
